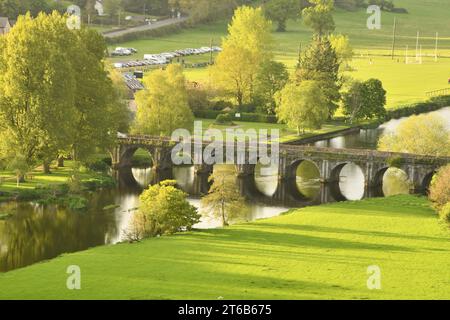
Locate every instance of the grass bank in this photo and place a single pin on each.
(312, 253)
(42, 187)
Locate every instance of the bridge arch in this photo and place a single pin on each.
(347, 181)
(391, 181)
(426, 181)
(304, 184)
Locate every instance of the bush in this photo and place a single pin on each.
(432, 104)
(77, 203)
(444, 213)
(98, 166)
(224, 119)
(164, 210)
(440, 188)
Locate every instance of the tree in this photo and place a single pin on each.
(423, 134)
(63, 101)
(282, 10)
(365, 100)
(319, 17)
(440, 187)
(204, 10)
(303, 106)
(101, 110)
(37, 84)
(319, 62)
(271, 79)
(224, 200)
(164, 209)
(344, 52)
(246, 48)
(112, 7)
(163, 106)
(19, 165)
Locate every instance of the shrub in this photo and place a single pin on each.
(224, 119)
(440, 188)
(164, 210)
(77, 203)
(395, 162)
(98, 166)
(444, 213)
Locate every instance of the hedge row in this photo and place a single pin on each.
(432, 104)
(247, 117)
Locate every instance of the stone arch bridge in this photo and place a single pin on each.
(419, 169)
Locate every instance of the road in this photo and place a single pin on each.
(153, 26)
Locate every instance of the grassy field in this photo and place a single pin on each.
(404, 83)
(313, 253)
(36, 178)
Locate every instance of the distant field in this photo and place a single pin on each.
(404, 83)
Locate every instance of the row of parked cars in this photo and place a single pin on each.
(165, 57)
(120, 52)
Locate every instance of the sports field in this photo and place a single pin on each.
(405, 83)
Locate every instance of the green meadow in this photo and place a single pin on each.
(319, 252)
(405, 83)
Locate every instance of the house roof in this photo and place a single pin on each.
(4, 22)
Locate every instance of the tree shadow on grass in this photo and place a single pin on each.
(287, 239)
(320, 229)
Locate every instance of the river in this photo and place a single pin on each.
(36, 232)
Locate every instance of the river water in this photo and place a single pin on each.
(34, 232)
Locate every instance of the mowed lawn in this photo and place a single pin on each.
(313, 253)
(404, 83)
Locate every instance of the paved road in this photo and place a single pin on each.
(154, 25)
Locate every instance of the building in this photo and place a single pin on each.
(5, 26)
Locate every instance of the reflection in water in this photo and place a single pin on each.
(185, 176)
(143, 176)
(308, 180)
(395, 181)
(351, 182)
(266, 179)
(368, 139)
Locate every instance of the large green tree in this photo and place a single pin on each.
(302, 107)
(37, 88)
(246, 48)
(365, 100)
(280, 11)
(319, 62)
(319, 17)
(163, 106)
(55, 92)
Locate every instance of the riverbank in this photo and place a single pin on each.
(312, 253)
(39, 186)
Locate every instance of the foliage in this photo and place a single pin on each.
(20, 166)
(271, 79)
(365, 100)
(224, 119)
(320, 62)
(302, 107)
(423, 134)
(63, 102)
(444, 213)
(164, 209)
(224, 200)
(163, 106)
(246, 48)
(440, 187)
(198, 97)
(282, 10)
(204, 10)
(343, 49)
(319, 17)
